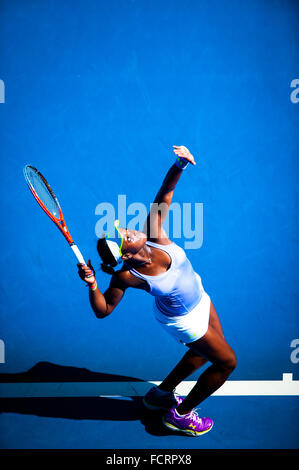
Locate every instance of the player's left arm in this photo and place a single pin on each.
(155, 219)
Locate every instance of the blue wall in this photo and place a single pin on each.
(96, 94)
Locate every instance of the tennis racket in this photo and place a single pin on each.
(44, 195)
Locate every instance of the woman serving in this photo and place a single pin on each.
(150, 261)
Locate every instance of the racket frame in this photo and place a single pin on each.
(59, 222)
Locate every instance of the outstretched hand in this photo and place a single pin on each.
(86, 272)
(183, 152)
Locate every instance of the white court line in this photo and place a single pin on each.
(285, 387)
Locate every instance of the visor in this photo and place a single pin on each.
(115, 244)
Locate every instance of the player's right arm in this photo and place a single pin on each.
(103, 304)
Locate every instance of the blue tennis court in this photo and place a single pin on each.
(94, 94)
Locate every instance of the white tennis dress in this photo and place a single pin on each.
(181, 305)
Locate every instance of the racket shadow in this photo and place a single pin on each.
(97, 408)
(88, 408)
(77, 408)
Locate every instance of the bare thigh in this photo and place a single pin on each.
(215, 328)
(214, 348)
(214, 321)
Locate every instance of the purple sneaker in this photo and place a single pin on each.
(157, 399)
(190, 424)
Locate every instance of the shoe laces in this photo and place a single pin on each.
(194, 416)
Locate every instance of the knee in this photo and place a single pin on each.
(230, 362)
(233, 361)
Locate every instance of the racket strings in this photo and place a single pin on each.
(43, 192)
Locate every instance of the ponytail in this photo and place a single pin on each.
(107, 269)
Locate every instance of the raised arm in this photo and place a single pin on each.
(154, 223)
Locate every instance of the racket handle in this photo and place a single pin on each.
(78, 253)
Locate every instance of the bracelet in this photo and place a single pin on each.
(181, 163)
(93, 286)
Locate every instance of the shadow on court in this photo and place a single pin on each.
(87, 408)
(48, 372)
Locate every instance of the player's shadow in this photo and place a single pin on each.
(92, 408)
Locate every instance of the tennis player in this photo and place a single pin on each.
(148, 260)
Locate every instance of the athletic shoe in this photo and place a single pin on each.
(190, 424)
(157, 399)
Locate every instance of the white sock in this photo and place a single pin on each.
(181, 416)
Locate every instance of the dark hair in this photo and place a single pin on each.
(107, 257)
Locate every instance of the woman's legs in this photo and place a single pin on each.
(192, 360)
(214, 347)
(211, 347)
(187, 365)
